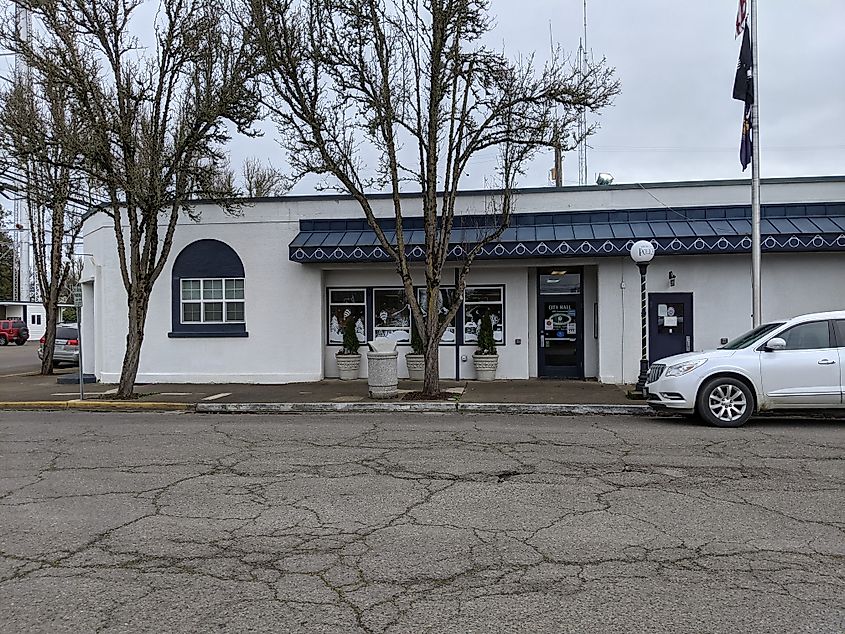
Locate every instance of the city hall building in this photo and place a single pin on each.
(261, 297)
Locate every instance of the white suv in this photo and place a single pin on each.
(786, 364)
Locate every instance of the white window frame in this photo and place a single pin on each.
(202, 301)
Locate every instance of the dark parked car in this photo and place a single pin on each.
(13, 330)
(66, 348)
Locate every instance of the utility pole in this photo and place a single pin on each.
(558, 168)
(20, 238)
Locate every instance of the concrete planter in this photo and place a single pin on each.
(382, 374)
(416, 366)
(485, 366)
(348, 366)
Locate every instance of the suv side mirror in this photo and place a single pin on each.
(775, 344)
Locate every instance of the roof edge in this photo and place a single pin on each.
(725, 182)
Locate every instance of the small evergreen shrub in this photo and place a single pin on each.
(416, 340)
(350, 338)
(486, 342)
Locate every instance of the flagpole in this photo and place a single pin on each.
(756, 294)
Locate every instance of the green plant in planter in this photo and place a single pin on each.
(416, 340)
(486, 342)
(350, 338)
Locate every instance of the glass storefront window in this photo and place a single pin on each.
(477, 302)
(560, 283)
(347, 304)
(445, 302)
(392, 314)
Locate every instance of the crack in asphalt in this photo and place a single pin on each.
(377, 521)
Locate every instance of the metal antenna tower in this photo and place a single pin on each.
(20, 233)
(582, 117)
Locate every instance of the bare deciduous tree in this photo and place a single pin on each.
(154, 115)
(412, 82)
(256, 180)
(40, 138)
(263, 180)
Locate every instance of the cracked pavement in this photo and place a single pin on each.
(418, 523)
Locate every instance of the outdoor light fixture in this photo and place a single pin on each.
(642, 252)
(604, 179)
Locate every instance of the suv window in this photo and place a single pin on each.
(839, 329)
(4, 325)
(809, 336)
(18, 324)
(66, 333)
(750, 337)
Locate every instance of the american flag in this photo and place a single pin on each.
(741, 16)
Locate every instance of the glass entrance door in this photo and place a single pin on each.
(561, 350)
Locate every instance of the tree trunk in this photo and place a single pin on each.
(51, 311)
(431, 380)
(138, 304)
(51, 314)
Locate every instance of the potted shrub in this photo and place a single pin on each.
(415, 360)
(348, 359)
(486, 359)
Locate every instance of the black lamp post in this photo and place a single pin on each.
(642, 253)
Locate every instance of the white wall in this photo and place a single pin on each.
(793, 284)
(283, 304)
(285, 301)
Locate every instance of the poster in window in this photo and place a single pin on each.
(337, 319)
(472, 321)
(392, 315)
(445, 301)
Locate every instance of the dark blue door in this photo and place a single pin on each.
(670, 325)
(561, 323)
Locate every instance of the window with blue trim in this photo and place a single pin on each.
(208, 292)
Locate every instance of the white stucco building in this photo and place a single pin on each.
(259, 297)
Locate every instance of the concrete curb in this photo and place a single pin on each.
(96, 405)
(424, 407)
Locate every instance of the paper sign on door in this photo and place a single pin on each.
(549, 325)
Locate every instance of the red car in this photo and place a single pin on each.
(13, 330)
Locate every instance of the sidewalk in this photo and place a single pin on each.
(550, 396)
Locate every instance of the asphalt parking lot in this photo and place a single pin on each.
(16, 360)
(418, 523)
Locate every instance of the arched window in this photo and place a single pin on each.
(208, 297)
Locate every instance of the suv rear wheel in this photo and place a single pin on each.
(725, 402)
(20, 342)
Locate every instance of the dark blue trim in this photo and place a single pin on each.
(211, 334)
(208, 258)
(203, 259)
(679, 231)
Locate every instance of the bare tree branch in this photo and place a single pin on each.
(153, 117)
(412, 81)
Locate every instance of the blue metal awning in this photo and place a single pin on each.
(680, 231)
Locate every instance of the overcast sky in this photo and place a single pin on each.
(675, 118)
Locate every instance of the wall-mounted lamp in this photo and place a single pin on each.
(671, 278)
